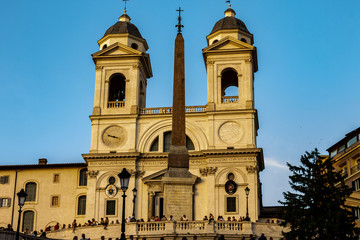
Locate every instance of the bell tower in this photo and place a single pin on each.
(122, 70)
(231, 62)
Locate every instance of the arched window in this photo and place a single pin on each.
(215, 41)
(30, 189)
(167, 142)
(83, 177)
(117, 88)
(28, 221)
(105, 46)
(243, 40)
(81, 205)
(229, 84)
(155, 145)
(189, 144)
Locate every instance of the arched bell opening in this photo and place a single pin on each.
(116, 91)
(229, 86)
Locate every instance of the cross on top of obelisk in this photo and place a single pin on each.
(179, 26)
(229, 4)
(125, 5)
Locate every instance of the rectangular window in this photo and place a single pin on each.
(333, 153)
(55, 201)
(110, 207)
(5, 202)
(82, 205)
(4, 179)
(356, 213)
(341, 148)
(351, 141)
(230, 204)
(56, 178)
(356, 184)
(83, 177)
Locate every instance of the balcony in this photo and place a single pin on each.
(355, 169)
(116, 104)
(230, 99)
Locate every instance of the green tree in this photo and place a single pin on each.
(316, 208)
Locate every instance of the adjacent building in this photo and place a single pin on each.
(346, 156)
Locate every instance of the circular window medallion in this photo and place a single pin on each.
(111, 180)
(231, 176)
(230, 132)
(114, 136)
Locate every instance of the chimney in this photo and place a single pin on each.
(42, 161)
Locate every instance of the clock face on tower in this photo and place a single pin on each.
(114, 136)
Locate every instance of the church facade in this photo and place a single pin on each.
(220, 137)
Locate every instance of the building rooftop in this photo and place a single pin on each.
(124, 26)
(350, 139)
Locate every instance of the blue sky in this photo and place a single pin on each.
(306, 89)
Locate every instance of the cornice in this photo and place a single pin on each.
(91, 156)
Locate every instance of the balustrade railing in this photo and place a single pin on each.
(168, 110)
(162, 110)
(230, 99)
(229, 226)
(191, 109)
(355, 169)
(190, 225)
(10, 235)
(116, 104)
(150, 226)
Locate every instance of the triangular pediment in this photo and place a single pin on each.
(117, 49)
(228, 43)
(155, 176)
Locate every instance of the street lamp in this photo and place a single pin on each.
(247, 190)
(124, 182)
(134, 193)
(21, 201)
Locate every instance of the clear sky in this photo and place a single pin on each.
(306, 89)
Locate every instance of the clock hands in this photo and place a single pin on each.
(113, 136)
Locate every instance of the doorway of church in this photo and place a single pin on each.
(159, 205)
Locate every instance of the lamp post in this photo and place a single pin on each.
(247, 190)
(21, 201)
(134, 193)
(124, 182)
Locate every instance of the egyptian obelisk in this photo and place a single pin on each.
(178, 181)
